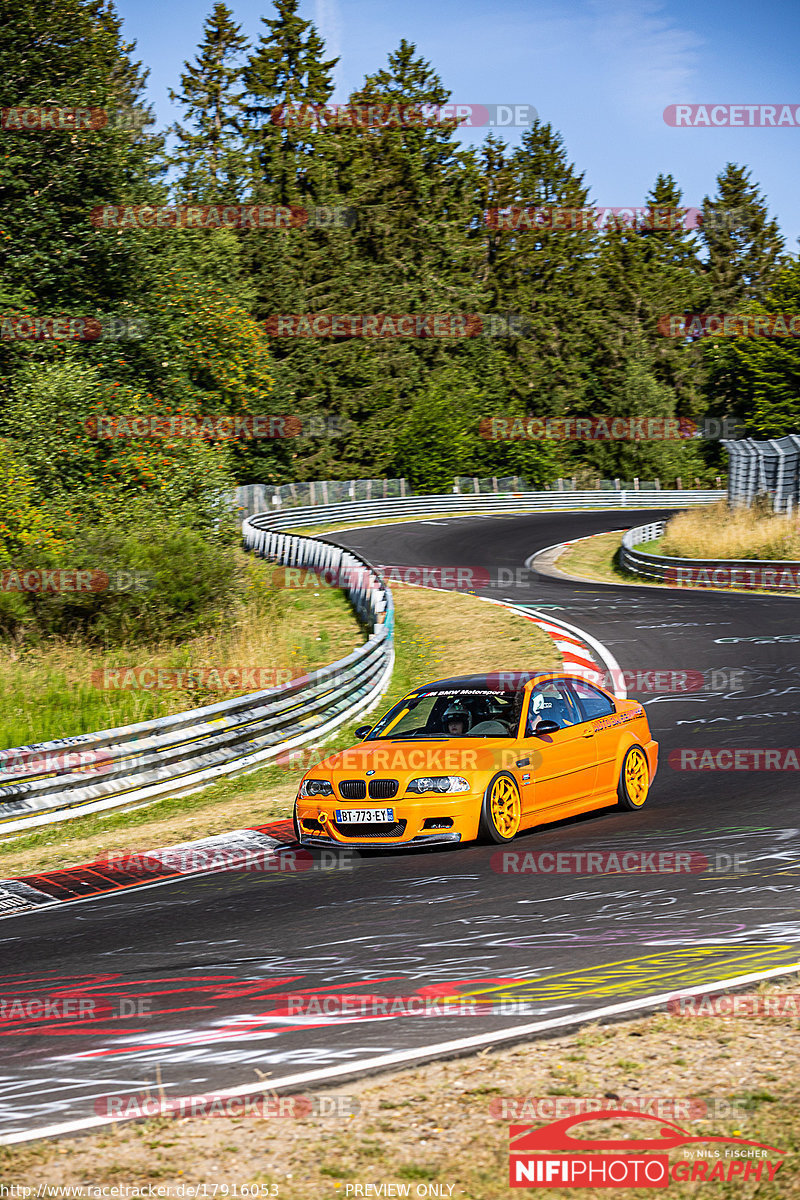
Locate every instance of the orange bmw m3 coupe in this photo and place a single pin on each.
(480, 756)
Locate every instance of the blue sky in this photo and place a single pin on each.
(600, 71)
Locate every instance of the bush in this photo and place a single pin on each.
(155, 580)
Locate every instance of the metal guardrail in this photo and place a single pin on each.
(778, 575)
(499, 503)
(181, 753)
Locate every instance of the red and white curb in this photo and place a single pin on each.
(266, 848)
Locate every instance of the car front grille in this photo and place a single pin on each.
(353, 789)
(379, 789)
(383, 789)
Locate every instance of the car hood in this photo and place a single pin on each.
(451, 756)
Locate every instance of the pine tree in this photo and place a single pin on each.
(68, 54)
(286, 71)
(543, 270)
(745, 247)
(745, 256)
(213, 162)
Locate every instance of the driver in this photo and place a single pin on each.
(535, 713)
(456, 719)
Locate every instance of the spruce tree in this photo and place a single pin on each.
(286, 72)
(541, 267)
(70, 54)
(646, 273)
(745, 256)
(211, 156)
(745, 247)
(762, 374)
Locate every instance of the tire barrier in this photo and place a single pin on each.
(184, 752)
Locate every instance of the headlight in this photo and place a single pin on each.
(315, 787)
(439, 783)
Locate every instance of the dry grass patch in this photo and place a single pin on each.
(716, 531)
(595, 558)
(467, 636)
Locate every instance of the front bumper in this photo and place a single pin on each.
(422, 839)
(462, 809)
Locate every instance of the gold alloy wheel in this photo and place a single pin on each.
(505, 808)
(636, 776)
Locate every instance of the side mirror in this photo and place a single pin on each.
(545, 727)
(363, 730)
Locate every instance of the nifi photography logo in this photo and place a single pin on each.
(552, 1156)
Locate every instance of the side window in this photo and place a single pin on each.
(552, 701)
(593, 702)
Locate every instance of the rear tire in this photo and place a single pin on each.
(501, 813)
(634, 779)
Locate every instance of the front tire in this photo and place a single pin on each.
(501, 813)
(634, 779)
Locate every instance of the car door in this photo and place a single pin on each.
(562, 766)
(595, 706)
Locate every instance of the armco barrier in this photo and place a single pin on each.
(184, 752)
(771, 575)
(485, 503)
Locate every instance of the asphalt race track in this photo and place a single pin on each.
(202, 963)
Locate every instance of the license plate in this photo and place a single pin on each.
(343, 815)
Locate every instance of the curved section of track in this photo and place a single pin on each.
(184, 979)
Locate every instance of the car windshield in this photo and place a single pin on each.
(462, 712)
